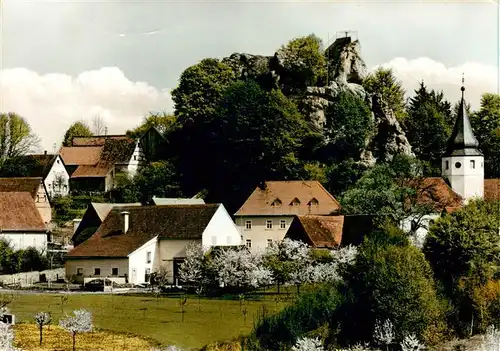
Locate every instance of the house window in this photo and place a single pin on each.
(38, 198)
(135, 158)
(295, 202)
(248, 225)
(214, 240)
(313, 202)
(57, 161)
(269, 242)
(147, 275)
(114, 271)
(148, 257)
(276, 203)
(447, 165)
(97, 271)
(79, 271)
(282, 224)
(249, 243)
(458, 165)
(269, 224)
(472, 164)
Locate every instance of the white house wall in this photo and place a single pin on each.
(138, 262)
(465, 174)
(135, 160)
(259, 235)
(42, 203)
(57, 171)
(88, 266)
(421, 233)
(221, 230)
(21, 241)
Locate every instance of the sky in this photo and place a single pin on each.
(64, 61)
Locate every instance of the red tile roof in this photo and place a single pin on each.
(26, 184)
(181, 222)
(18, 212)
(318, 231)
(90, 171)
(289, 198)
(435, 192)
(76, 156)
(492, 189)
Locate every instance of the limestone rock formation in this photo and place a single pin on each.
(346, 72)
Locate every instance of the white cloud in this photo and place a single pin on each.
(52, 102)
(479, 78)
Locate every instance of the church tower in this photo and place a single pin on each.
(463, 163)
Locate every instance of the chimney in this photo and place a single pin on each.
(125, 215)
(45, 152)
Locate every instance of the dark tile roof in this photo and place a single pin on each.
(96, 140)
(39, 164)
(182, 222)
(492, 189)
(118, 150)
(279, 197)
(462, 141)
(26, 184)
(319, 231)
(18, 212)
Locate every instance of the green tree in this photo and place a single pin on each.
(163, 122)
(200, 89)
(465, 239)
(391, 282)
(157, 179)
(256, 136)
(303, 63)
(486, 125)
(348, 124)
(76, 129)
(384, 82)
(16, 136)
(395, 188)
(427, 125)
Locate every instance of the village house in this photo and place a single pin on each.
(20, 221)
(93, 163)
(49, 167)
(266, 215)
(134, 241)
(36, 188)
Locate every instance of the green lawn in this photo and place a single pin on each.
(157, 319)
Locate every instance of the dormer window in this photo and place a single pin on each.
(276, 203)
(313, 202)
(295, 202)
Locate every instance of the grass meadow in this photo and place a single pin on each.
(158, 320)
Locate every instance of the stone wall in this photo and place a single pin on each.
(29, 278)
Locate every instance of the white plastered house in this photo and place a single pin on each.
(133, 242)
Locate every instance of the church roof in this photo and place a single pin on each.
(462, 141)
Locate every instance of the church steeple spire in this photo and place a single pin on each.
(462, 141)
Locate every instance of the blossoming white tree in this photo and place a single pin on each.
(308, 344)
(191, 271)
(79, 322)
(41, 319)
(6, 337)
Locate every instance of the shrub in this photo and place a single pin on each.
(311, 311)
(391, 283)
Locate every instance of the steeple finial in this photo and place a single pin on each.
(463, 85)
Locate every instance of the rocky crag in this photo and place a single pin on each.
(346, 72)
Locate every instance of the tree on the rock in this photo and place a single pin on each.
(348, 124)
(303, 62)
(384, 82)
(427, 125)
(16, 136)
(79, 322)
(76, 129)
(486, 125)
(42, 319)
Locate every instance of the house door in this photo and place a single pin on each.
(133, 278)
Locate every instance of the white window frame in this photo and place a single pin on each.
(248, 243)
(97, 275)
(214, 240)
(269, 224)
(148, 257)
(248, 225)
(283, 224)
(269, 242)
